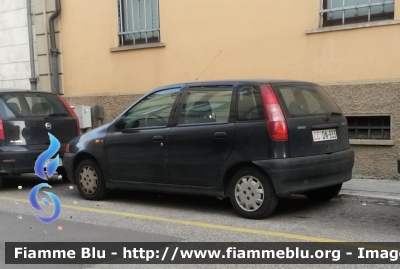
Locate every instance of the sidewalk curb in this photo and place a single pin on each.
(369, 196)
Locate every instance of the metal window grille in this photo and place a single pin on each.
(340, 12)
(369, 127)
(138, 22)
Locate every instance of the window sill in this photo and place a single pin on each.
(138, 47)
(371, 142)
(352, 26)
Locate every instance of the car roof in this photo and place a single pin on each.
(231, 81)
(238, 81)
(4, 90)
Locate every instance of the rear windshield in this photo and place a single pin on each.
(304, 100)
(19, 105)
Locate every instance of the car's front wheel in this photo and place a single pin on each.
(90, 180)
(324, 194)
(252, 194)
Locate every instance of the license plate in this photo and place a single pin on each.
(48, 161)
(324, 135)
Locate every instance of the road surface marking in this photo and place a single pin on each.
(212, 226)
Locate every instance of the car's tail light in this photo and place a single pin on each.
(276, 121)
(72, 112)
(67, 149)
(2, 135)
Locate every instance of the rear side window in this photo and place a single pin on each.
(206, 105)
(304, 100)
(18, 105)
(250, 106)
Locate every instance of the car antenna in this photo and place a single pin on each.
(197, 79)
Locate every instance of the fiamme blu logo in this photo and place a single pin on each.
(45, 173)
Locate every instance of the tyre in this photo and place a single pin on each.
(1, 180)
(324, 194)
(252, 194)
(64, 176)
(90, 180)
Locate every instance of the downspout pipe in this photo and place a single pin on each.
(53, 50)
(33, 79)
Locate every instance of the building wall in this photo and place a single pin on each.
(247, 39)
(14, 45)
(372, 161)
(257, 39)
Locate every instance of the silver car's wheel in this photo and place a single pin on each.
(88, 179)
(249, 193)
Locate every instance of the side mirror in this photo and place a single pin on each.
(120, 123)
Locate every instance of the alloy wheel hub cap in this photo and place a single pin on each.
(249, 193)
(88, 179)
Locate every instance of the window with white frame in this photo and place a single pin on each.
(340, 12)
(138, 22)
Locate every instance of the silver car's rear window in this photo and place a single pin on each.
(304, 100)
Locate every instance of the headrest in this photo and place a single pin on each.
(40, 108)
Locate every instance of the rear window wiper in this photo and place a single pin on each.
(333, 113)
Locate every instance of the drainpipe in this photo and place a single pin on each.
(53, 49)
(33, 79)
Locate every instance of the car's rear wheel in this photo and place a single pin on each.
(252, 194)
(1, 180)
(90, 180)
(324, 194)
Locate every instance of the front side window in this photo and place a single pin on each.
(138, 22)
(206, 105)
(153, 111)
(340, 12)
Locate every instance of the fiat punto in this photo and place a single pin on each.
(251, 141)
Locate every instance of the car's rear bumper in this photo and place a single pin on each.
(20, 162)
(69, 166)
(297, 175)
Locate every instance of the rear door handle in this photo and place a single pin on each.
(157, 138)
(220, 135)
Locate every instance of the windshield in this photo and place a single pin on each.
(304, 100)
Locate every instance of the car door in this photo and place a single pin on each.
(137, 151)
(202, 140)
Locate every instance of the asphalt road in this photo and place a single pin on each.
(128, 216)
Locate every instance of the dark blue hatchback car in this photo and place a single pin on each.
(251, 141)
